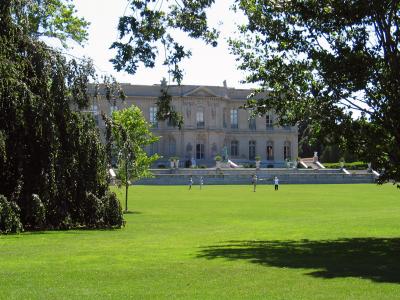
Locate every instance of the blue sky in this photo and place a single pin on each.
(208, 66)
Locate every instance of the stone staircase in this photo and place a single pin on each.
(223, 176)
(311, 163)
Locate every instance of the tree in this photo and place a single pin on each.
(333, 63)
(325, 60)
(52, 163)
(130, 135)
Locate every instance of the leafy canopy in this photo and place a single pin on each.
(52, 162)
(131, 134)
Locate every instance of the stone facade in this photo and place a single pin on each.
(212, 121)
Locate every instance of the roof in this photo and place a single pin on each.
(186, 91)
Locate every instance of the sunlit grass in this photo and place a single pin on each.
(221, 242)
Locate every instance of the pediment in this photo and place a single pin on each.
(201, 91)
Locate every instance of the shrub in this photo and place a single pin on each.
(357, 165)
(38, 212)
(9, 216)
(218, 158)
(94, 211)
(113, 216)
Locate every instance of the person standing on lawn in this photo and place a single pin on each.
(254, 181)
(190, 183)
(276, 183)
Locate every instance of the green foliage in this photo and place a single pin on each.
(320, 61)
(48, 18)
(112, 210)
(9, 216)
(218, 158)
(165, 110)
(38, 211)
(131, 134)
(149, 23)
(51, 156)
(357, 165)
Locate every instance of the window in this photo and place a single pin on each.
(200, 151)
(224, 118)
(252, 150)
(234, 118)
(252, 120)
(269, 122)
(270, 150)
(200, 119)
(234, 148)
(153, 116)
(113, 107)
(95, 112)
(171, 147)
(153, 148)
(252, 123)
(286, 151)
(170, 123)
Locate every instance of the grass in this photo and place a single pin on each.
(222, 242)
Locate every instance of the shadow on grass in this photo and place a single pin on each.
(131, 212)
(377, 259)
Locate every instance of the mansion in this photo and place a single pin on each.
(213, 123)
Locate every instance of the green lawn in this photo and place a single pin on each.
(222, 242)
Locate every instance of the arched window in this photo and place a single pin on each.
(270, 150)
(234, 148)
(252, 150)
(286, 151)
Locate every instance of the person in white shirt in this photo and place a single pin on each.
(201, 182)
(276, 182)
(190, 182)
(254, 181)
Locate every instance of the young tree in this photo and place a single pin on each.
(320, 61)
(131, 134)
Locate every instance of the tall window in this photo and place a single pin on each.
(252, 150)
(252, 123)
(153, 148)
(286, 151)
(270, 150)
(171, 146)
(200, 119)
(113, 107)
(269, 121)
(234, 148)
(199, 151)
(169, 121)
(234, 118)
(153, 116)
(94, 109)
(224, 118)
